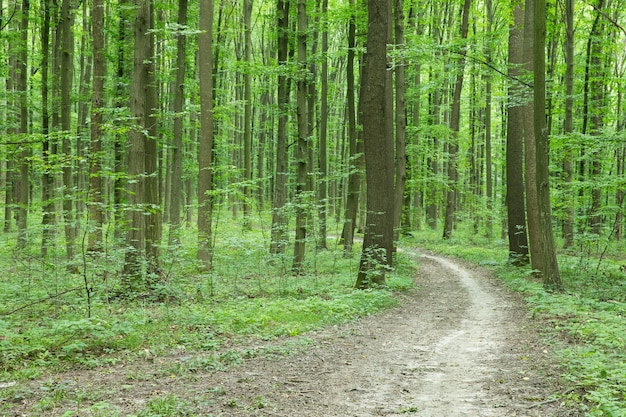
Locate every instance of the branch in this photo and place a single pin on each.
(41, 300)
(491, 66)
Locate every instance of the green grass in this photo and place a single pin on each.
(44, 322)
(588, 319)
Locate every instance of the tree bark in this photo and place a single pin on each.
(176, 189)
(247, 122)
(516, 213)
(279, 218)
(400, 120)
(205, 140)
(302, 146)
(377, 252)
(549, 267)
(568, 125)
(23, 188)
(96, 209)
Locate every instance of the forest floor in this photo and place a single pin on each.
(459, 344)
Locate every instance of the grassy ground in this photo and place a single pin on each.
(586, 322)
(48, 324)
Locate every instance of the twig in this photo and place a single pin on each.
(41, 300)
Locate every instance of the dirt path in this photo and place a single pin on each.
(459, 345)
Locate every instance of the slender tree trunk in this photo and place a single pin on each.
(205, 140)
(67, 69)
(568, 125)
(549, 267)
(96, 212)
(379, 153)
(355, 159)
(488, 151)
(23, 189)
(302, 147)
(323, 146)
(279, 218)
(455, 118)
(516, 213)
(247, 122)
(47, 178)
(400, 121)
(176, 188)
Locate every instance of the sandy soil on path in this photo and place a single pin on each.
(459, 345)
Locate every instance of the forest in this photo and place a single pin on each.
(177, 167)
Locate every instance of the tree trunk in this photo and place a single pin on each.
(488, 152)
(176, 187)
(532, 207)
(322, 192)
(205, 140)
(455, 118)
(568, 125)
(400, 121)
(516, 213)
(23, 188)
(302, 147)
(67, 69)
(96, 211)
(136, 235)
(377, 251)
(279, 200)
(355, 160)
(47, 178)
(247, 122)
(549, 267)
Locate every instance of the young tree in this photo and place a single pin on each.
(23, 188)
(96, 212)
(455, 119)
(376, 256)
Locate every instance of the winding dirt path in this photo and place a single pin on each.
(460, 344)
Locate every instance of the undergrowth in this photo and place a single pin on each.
(588, 318)
(47, 325)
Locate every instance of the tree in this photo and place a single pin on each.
(549, 267)
(455, 119)
(400, 120)
(376, 256)
(279, 199)
(516, 213)
(205, 140)
(302, 146)
(176, 196)
(96, 212)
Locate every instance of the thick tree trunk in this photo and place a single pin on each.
(302, 146)
(530, 159)
(136, 233)
(205, 140)
(549, 267)
(377, 251)
(516, 213)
